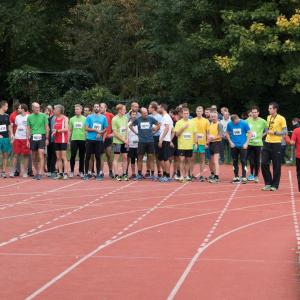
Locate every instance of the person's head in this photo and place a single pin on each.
(224, 110)
(47, 111)
(153, 106)
(78, 109)
(249, 113)
(226, 115)
(59, 110)
(199, 111)
(295, 121)
(179, 112)
(144, 112)
(183, 105)
(207, 113)
(185, 113)
(87, 111)
(255, 112)
(213, 116)
(23, 108)
(36, 108)
(273, 108)
(121, 109)
(17, 106)
(96, 108)
(133, 115)
(214, 107)
(4, 106)
(103, 108)
(235, 119)
(163, 108)
(134, 106)
(50, 109)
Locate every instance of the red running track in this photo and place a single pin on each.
(148, 240)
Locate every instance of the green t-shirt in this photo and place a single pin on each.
(120, 125)
(257, 128)
(37, 123)
(76, 125)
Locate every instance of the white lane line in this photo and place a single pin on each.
(103, 245)
(294, 212)
(24, 234)
(192, 262)
(37, 195)
(6, 186)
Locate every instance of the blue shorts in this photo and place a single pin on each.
(5, 145)
(200, 149)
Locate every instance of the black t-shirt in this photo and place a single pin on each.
(145, 128)
(4, 123)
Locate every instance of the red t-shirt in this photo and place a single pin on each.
(296, 139)
(109, 116)
(12, 119)
(60, 137)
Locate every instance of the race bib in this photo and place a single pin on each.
(200, 136)
(24, 123)
(145, 125)
(37, 137)
(123, 130)
(78, 125)
(21, 129)
(237, 131)
(254, 135)
(187, 136)
(3, 128)
(135, 142)
(97, 126)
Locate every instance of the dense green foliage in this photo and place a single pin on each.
(229, 52)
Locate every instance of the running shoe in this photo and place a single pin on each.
(244, 180)
(25, 175)
(65, 177)
(16, 174)
(213, 180)
(273, 189)
(201, 178)
(99, 177)
(71, 174)
(125, 178)
(30, 173)
(176, 177)
(12, 175)
(111, 174)
(119, 178)
(189, 178)
(266, 188)
(58, 176)
(148, 176)
(251, 177)
(256, 179)
(38, 177)
(81, 175)
(138, 177)
(236, 180)
(85, 177)
(3, 175)
(163, 179)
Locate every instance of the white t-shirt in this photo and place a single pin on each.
(224, 123)
(21, 123)
(133, 139)
(167, 120)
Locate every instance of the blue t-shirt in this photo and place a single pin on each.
(145, 129)
(158, 118)
(97, 122)
(238, 132)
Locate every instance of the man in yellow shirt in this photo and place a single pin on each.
(277, 128)
(185, 132)
(200, 140)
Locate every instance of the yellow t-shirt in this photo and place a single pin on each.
(214, 131)
(186, 139)
(201, 128)
(276, 123)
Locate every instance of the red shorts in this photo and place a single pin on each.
(20, 147)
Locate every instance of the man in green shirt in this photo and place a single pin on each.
(77, 137)
(258, 127)
(38, 138)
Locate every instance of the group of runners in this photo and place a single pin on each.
(166, 139)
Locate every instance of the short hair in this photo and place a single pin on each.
(234, 117)
(88, 107)
(102, 103)
(60, 108)
(2, 103)
(16, 105)
(78, 105)
(24, 106)
(184, 105)
(185, 109)
(134, 102)
(154, 105)
(199, 107)
(274, 104)
(165, 106)
(178, 110)
(255, 108)
(132, 112)
(120, 106)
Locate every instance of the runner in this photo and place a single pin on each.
(120, 142)
(107, 141)
(77, 137)
(258, 127)
(295, 140)
(185, 131)
(60, 132)
(6, 134)
(277, 128)
(51, 155)
(146, 142)
(87, 110)
(134, 106)
(225, 147)
(133, 141)
(158, 117)
(239, 135)
(215, 133)
(201, 130)
(20, 143)
(95, 125)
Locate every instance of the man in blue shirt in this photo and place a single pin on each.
(146, 141)
(238, 135)
(95, 125)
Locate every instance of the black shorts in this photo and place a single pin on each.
(186, 153)
(120, 148)
(60, 146)
(214, 148)
(35, 145)
(107, 142)
(156, 142)
(94, 147)
(133, 155)
(165, 151)
(146, 148)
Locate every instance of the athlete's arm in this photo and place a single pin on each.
(10, 132)
(282, 133)
(248, 139)
(229, 140)
(163, 135)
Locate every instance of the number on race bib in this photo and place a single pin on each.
(187, 136)
(123, 130)
(145, 125)
(97, 126)
(3, 128)
(254, 135)
(200, 136)
(37, 137)
(78, 125)
(237, 131)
